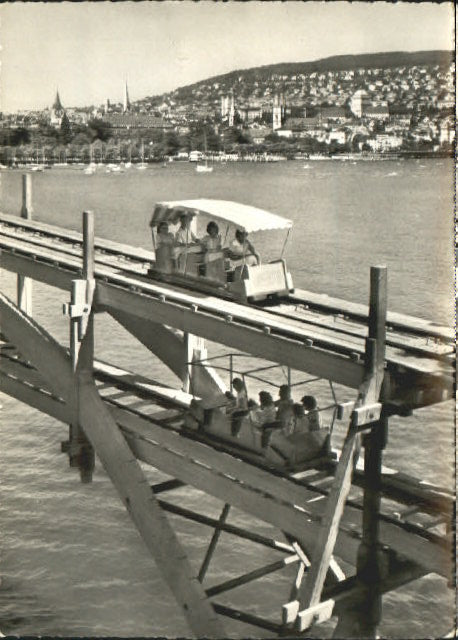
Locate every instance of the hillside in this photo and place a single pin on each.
(386, 60)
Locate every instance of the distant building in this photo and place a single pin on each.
(231, 116)
(338, 136)
(333, 114)
(126, 121)
(250, 113)
(385, 142)
(57, 112)
(446, 133)
(224, 107)
(379, 112)
(359, 102)
(259, 134)
(277, 113)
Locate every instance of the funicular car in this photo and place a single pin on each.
(194, 265)
(277, 443)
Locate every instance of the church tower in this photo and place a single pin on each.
(276, 114)
(231, 111)
(57, 111)
(126, 102)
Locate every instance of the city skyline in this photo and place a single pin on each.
(89, 50)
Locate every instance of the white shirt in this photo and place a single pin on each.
(184, 236)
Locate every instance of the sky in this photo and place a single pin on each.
(88, 50)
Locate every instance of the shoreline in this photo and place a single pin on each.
(343, 157)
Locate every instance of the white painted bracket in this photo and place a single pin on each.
(366, 413)
(81, 304)
(344, 410)
(290, 611)
(314, 615)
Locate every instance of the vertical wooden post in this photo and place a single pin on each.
(371, 561)
(362, 616)
(193, 350)
(82, 350)
(368, 394)
(24, 285)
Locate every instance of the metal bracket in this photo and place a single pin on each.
(79, 308)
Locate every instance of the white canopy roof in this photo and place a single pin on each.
(244, 217)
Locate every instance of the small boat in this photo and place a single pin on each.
(204, 168)
(142, 166)
(91, 167)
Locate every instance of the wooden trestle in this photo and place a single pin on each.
(125, 418)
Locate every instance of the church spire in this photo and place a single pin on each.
(57, 106)
(126, 103)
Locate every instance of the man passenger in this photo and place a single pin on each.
(184, 238)
(241, 249)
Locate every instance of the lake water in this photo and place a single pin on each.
(72, 563)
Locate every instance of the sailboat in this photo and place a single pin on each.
(90, 169)
(37, 166)
(128, 164)
(142, 166)
(204, 168)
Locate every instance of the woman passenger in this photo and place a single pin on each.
(312, 413)
(212, 241)
(163, 234)
(284, 406)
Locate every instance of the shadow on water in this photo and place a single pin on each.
(14, 602)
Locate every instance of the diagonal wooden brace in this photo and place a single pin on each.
(367, 410)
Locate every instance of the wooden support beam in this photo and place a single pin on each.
(252, 575)
(213, 542)
(228, 528)
(235, 334)
(81, 453)
(38, 347)
(121, 466)
(247, 618)
(34, 397)
(159, 537)
(171, 349)
(369, 392)
(24, 284)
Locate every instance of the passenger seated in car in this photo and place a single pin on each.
(212, 241)
(312, 413)
(165, 260)
(241, 250)
(284, 406)
(241, 394)
(185, 236)
(300, 423)
(184, 239)
(163, 236)
(263, 417)
(240, 405)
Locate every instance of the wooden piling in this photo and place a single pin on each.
(82, 350)
(24, 284)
